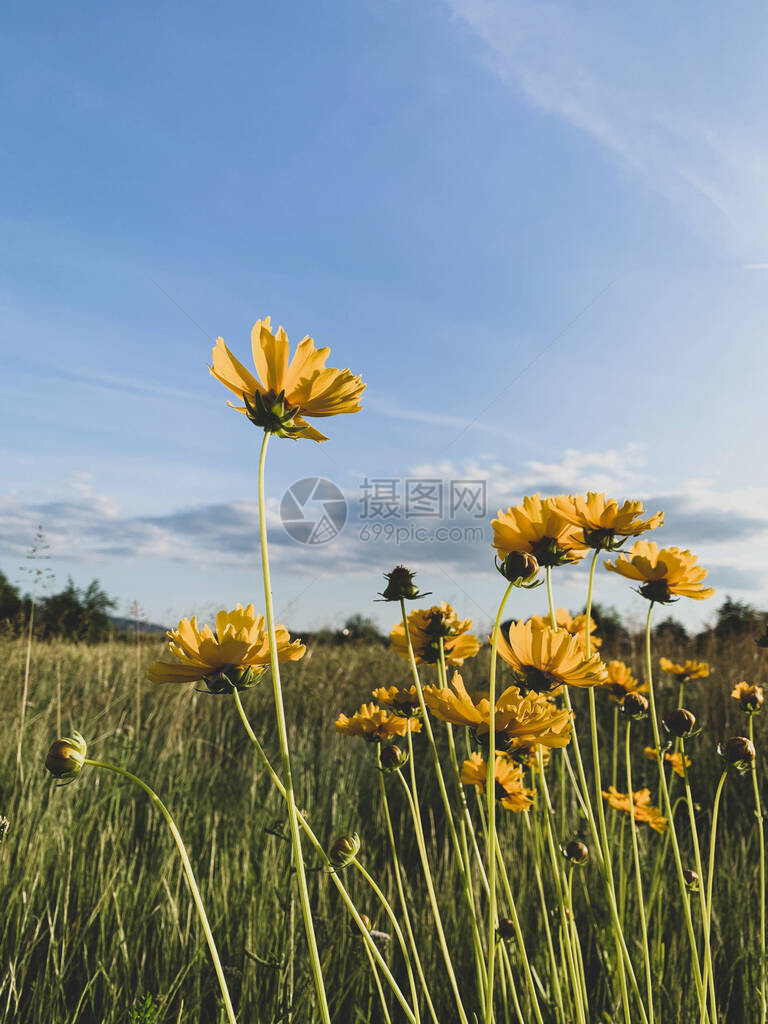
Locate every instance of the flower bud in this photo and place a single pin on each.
(393, 757)
(506, 928)
(635, 705)
(344, 850)
(751, 698)
(738, 752)
(66, 757)
(400, 586)
(680, 722)
(576, 852)
(353, 926)
(691, 880)
(518, 567)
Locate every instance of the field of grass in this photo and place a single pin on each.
(98, 925)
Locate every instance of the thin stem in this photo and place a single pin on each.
(379, 989)
(324, 857)
(761, 838)
(412, 799)
(490, 794)
(701, 993)
(711, 866)
(190, 876)
(639, 880)
(282, 733)
(401, 892)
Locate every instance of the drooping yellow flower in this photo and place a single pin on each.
(283, 394)
(427, 626)
(676, 760)
(751, 698)
(576, 625)
(233, 655)
(403, 702)
(374, 723)
(542, 659)
(604, 523)
(537, 527)
(508, 778)
(687, 671)
(639, 806)
(664, 572)
(620, 682)
(521, 722)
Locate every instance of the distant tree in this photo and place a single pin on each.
(736, 619)
(360, 627)
(10, 602)
(670, 631)
(75, 614)
(610, 627)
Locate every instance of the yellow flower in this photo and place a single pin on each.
(676, 760)
(426, 627)
(283, 394)
(603, 522)
(521, 722)
(538, 528)
(750, 697)
(234, 655)
(639, 806)
(664, 572)
(576, 625)
(374, 723)
(508, 778)
(404, 702)
(620, 682)
(543, 659)
(688, 670)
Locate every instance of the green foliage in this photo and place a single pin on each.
(144, 1011)
(10, 602)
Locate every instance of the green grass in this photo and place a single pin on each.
(98, 926)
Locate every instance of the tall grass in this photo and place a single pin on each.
(97, 925)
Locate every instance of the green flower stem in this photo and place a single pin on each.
(639, 880)
(187, 871)
(518, 934)
(554, 966)
(490, 795)
(304, 824)
(412, 798)
(282, 733)
(623, 961)
(761, 839)
(700, 991)
(577, 945)
(711, 873)
(401, 892)
(708, 972)
(443, 791)
(398, 932)
(377, 981)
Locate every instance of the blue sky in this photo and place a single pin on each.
(435, 190)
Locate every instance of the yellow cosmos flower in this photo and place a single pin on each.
(603, 522)
(664, 572)
(538, 528)
(639, 806)
(543, 659)
(283, 394)
(751, 698)
(687, 671)
(404, 702)
(427, 626)
(374, 723)
(576, 625)
(620, 682)
(676, 760)
(521, 722)
(233, 655)
(508, 778)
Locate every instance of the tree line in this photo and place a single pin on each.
(72, 614)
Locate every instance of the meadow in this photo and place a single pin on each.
(98, 925)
